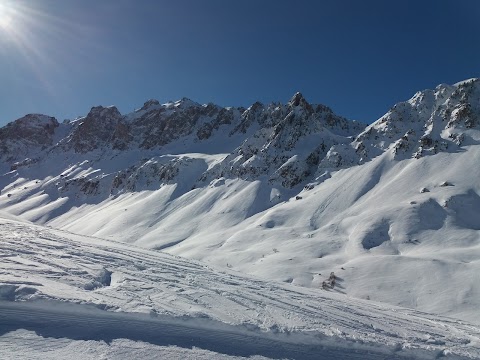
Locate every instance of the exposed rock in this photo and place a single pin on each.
(149, 103)
(121, 136)
(97, 129)
(29, 134)
(431, 121)
(289, 144)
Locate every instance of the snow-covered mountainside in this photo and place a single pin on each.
(287, 192)
(62, 295)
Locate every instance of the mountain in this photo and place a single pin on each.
(288, 192)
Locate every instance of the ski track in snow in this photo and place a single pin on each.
(158, 301)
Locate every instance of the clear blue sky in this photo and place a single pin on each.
(61, 57)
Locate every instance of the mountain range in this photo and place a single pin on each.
(287, 192)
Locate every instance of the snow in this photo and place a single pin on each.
(465, 82)
(382, 222)
(65, 294)
(286, 194)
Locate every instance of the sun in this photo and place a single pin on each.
(34, 36)
(7, 15)
(18, 24)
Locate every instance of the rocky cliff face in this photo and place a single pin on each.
(290, 144)
(103, 126)
(431, 121)
(26, 137)
(156, 125)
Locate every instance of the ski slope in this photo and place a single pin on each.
(64, 294)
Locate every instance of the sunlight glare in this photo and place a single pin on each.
(25, 34)
(6, 15)
(34, 35)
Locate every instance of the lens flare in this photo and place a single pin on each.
(45, 41)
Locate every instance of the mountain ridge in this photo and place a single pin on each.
(155, 125)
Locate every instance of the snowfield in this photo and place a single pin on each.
(65, 294)
(372, 224)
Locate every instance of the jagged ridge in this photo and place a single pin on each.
(290, 144)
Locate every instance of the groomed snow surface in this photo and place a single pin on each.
(70, 296)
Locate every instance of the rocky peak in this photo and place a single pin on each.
(30, 132)
(159, 126)
(297, 100)
(464, 105)
(30, 125)
(253, 111)
(289, 144)
(298, 104)
(150, 103)
(185, 103)
(252, 114)
(430, 122)
(103, 113)
(97, 128)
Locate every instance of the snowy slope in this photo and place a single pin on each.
(64, 294)
(286, 192)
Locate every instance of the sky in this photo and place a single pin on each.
(60, 58)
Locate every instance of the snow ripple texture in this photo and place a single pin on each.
(90, 289)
